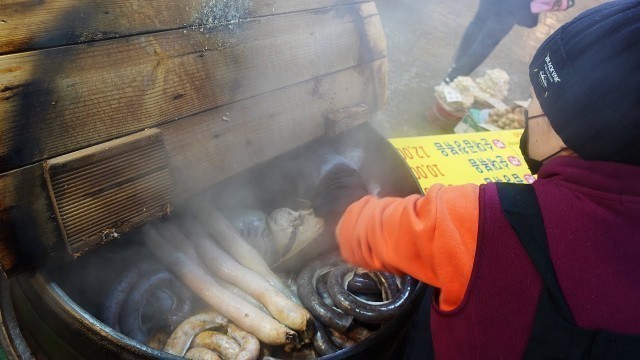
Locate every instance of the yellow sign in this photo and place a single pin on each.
(454, 159)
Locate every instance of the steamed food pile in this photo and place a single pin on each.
(506, 118)
(463, 92)
(480, 104)
(219, 298)
(345, 300)
(494, 84)
(210, 335)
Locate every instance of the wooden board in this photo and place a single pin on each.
(105, 190)
(61, 100)
(31, 24)
(209, 147)
(28, 229)
(201, 150)
(220, 85)
(345, 118)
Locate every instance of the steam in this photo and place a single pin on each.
(262, 188)
(352, 158)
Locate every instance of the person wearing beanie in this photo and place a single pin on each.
(546, 270)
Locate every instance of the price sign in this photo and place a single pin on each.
(451, 94)
(455, 159)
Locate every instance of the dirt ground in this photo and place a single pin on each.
(422, 37)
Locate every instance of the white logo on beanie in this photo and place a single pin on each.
(548, 74)
(553, 76)
(543, 78)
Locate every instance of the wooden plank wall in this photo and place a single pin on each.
(228, 83)
(34, 24)
(63, 99)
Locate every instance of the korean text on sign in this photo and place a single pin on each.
(456, 159)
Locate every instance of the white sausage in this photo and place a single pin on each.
(249, 344)
(218, 342)
(224, 266)
(179, 341)
(247, 317)
(201, 354)
(231, 240)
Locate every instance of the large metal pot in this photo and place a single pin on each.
(56, 323)
(59, 328)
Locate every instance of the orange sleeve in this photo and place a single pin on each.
(431, 237)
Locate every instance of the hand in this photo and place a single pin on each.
(341, 186)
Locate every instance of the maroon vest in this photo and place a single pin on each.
(591, 212)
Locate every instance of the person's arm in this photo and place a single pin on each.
(431, 237)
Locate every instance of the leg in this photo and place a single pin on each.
(473, 30)
(495, 29)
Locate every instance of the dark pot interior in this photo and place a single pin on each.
(58, 308)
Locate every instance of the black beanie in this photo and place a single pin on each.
(586, 76)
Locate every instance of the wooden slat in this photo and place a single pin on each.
(64, 99)
(28, 227)
(347, 118)
(209, 147)
(108, 189)
(31, 25)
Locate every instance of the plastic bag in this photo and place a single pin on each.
(538, 6)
